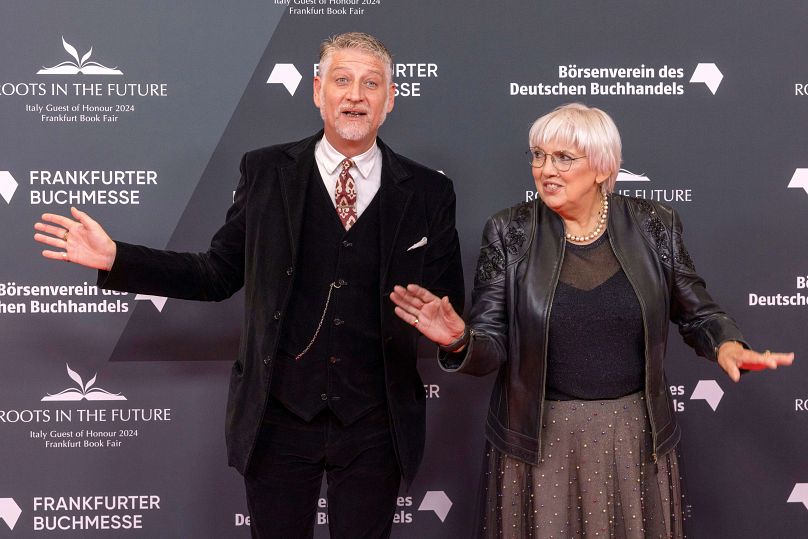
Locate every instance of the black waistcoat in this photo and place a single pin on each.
(343, 368)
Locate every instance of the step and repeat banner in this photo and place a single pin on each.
(112, 404)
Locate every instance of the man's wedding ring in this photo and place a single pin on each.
(64, 236)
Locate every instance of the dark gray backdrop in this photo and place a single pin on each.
(730, 155)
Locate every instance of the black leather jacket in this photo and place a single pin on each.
(517, 273)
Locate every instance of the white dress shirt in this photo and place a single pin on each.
(366, 172)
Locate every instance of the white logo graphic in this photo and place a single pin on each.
(625, 175)
(158, 301)
(798, 181)
(85, 391)
(9, 511)
(286, 74)
(799, 494)
(708, 390)
(709, 75)
(7, 185)
(78, 65)
(437, 501)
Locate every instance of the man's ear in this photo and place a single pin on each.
(392, 97)
(316, 88)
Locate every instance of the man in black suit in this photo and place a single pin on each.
(319, 232)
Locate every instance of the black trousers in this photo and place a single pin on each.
(284, 478)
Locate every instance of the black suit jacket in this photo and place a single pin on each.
(257, 248)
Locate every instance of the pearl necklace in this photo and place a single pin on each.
(602, 214)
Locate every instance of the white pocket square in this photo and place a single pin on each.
(417, 244)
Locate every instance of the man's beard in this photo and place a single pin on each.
(353, 131)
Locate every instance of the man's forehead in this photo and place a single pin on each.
(355, 59)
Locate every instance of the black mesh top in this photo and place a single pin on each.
(596, 344)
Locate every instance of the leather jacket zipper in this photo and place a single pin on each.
(645, 338)
(556, 275)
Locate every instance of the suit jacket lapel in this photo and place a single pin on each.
(394, 198)
(294, 181)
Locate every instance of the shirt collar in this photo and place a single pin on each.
(326, 154)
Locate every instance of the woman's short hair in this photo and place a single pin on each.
(587, 129)
(358, 41)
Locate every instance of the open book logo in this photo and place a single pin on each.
(78, 65)
(625, 175)
(84, 391)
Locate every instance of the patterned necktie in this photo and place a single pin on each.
(345, 195)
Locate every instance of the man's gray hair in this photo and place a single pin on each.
(358, 41)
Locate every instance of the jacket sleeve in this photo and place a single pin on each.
(488, 321)
(443, 265)
(213, 275)
(702, 323)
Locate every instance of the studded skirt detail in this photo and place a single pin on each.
(597, 478)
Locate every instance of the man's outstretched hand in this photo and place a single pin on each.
(82, 241)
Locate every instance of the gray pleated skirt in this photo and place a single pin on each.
(597, 478)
